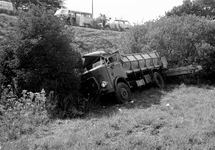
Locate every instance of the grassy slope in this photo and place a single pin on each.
(147, 123)
(6, 25)
(96, 40)
(88, 39)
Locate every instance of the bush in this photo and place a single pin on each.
(40, 55)
(9, 12)
(184, 40)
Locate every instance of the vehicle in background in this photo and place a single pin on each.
(75, 18)
(119, 25)
(62, 13)
(84, 19)
(5, 5)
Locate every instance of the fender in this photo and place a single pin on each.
(120, 79)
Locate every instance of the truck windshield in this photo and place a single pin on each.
(91, 62)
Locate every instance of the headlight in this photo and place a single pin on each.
(104, 84)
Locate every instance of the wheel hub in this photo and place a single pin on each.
(124, 93)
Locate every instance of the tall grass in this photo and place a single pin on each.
(180, 117)
(21, 116)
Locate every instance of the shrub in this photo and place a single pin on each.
(40, 55)
(9, 12)
(184, 40)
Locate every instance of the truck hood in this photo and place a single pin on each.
(95, 72)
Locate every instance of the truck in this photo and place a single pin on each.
(115, 73)
(75, 18)
(5, 5)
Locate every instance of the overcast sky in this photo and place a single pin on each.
(132, 10)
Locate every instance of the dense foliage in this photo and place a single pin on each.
(23, 4)
(195, 7)
(39, 54)
(9, 12)
(184, 40)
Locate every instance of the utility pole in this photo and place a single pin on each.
(92, 8)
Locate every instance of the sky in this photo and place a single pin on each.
(135, 11)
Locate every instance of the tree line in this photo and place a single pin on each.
(24, 4)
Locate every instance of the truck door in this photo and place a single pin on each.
(115, 66)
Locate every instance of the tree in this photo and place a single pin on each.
(196, 7)
(42, 56)
(184, 40)
(206, 4)
(24, 4)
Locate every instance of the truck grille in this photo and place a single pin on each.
(89, 86)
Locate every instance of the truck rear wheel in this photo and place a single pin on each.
(123, 93)
(158, 79)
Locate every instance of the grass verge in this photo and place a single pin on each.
(179, 117)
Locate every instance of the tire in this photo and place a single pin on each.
(123, 93)
(158, 79)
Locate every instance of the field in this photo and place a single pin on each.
(178, 117)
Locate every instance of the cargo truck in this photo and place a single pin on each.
(115, 73)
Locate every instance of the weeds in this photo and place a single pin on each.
(187, 122)
(21, 116)
(183, 119)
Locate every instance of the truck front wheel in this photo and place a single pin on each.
(158, 79)
(123, 93)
